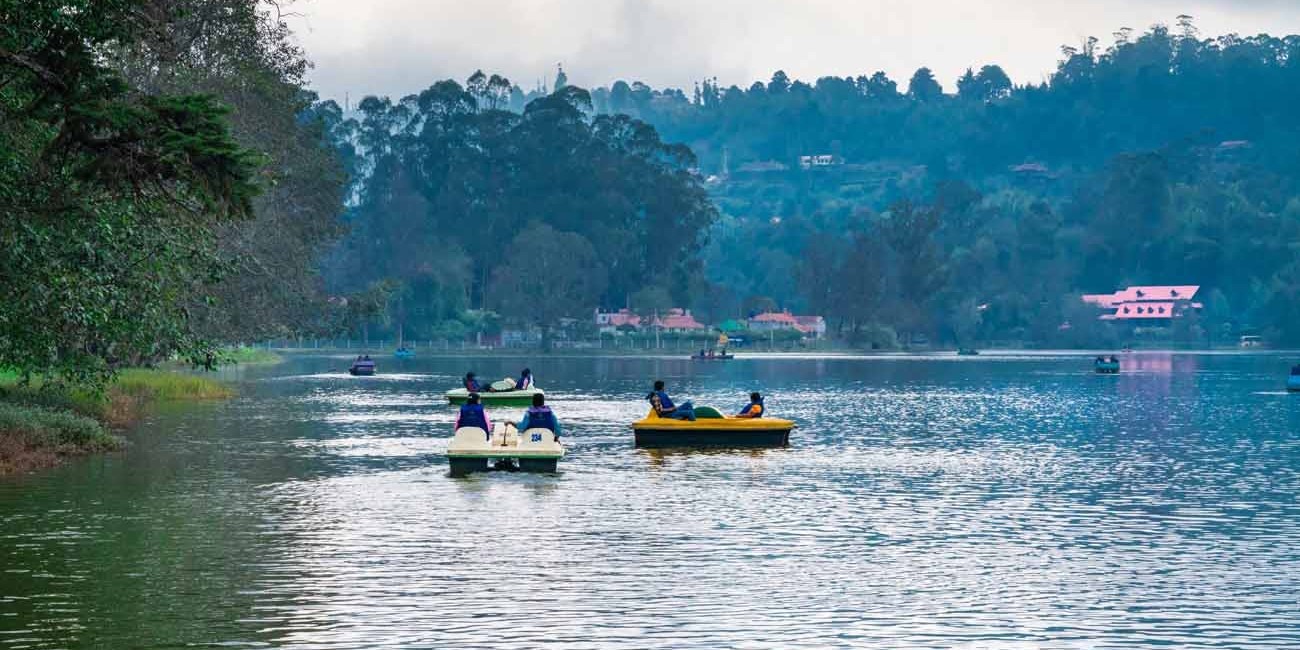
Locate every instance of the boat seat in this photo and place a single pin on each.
(469, 439)
(539, 440)
(708, 413)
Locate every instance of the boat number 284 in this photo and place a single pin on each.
(537, 437)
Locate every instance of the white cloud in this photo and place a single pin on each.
(397, 47)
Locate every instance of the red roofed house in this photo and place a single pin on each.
(1146, 304)
(610, 321)
(678, 320)
(811, 326)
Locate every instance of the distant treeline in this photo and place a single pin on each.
(1163, 158)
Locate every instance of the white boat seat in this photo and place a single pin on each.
(539, 440)
(469, 439)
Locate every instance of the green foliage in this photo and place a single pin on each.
(563, 279)
(1166, 158)
(447, 183)
(112, 197)
(59, 431)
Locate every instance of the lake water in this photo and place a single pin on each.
(986, 502)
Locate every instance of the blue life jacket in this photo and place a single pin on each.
(665, 402)
(472, 386)
(541, 417)
(525, 382)
(472, 415)
(749, 408)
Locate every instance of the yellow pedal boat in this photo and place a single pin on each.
(711, 429)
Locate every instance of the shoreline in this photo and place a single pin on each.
(42, 427)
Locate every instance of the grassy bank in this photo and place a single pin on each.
(247, 355)
(42, 424)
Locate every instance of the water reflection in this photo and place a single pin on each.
(1007, 501)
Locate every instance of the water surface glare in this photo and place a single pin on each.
(1013, 501)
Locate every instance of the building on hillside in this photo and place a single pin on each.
(772, 321)
(813, 327)
(1146, 305)
(810, 326)
(678, 321)
(610, 321)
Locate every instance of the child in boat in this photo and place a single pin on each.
(472, 385)
(525, 381)
(540, 416)
(473, 415)
(664, 407)
(754, 409)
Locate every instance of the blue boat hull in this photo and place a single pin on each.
(1293, 383)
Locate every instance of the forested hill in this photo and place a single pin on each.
(1144, 92)
(1165, 157)
(979, 214)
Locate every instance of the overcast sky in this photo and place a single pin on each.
(397, 47)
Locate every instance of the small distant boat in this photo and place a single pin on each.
(535, 450)
(362, 368)
(1293, 382)
(499, 398)
(713, 357)
(404, 353)
(967, 352)
(1106, 366)
(711, 430)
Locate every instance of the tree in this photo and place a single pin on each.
(112, 197)
(563, 279)
(923, 87)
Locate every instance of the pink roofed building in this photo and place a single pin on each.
(610, 321)
(1146, 304)
(811, 326)
(678, 320)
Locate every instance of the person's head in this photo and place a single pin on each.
(659, 384)
(755, 397)
(539, 399)
(473, 398)
(469, 375)
(526, 372)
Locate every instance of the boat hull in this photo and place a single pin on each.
(361, 372)
(504, 398)
(1293, 384)
(1108, 369)
(466, 465)
(652, 438)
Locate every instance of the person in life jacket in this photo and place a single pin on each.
(471, 384)
(540, 416)
(525, 380)
(473, 415)
(664, 407)
(754, 409)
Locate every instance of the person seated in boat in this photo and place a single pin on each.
(1295, 370)
(664, 406)
(540, 416)
(472, 385)
(525, 380)
(701, 353)
(365, 358)
(754, 409)
(1114, 359)
(473, 415)
(1099, 361)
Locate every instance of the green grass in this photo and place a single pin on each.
(247, 355)
(163, 386)
(41, 423)
(35, 436)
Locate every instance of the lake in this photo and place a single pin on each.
(1001, 501)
